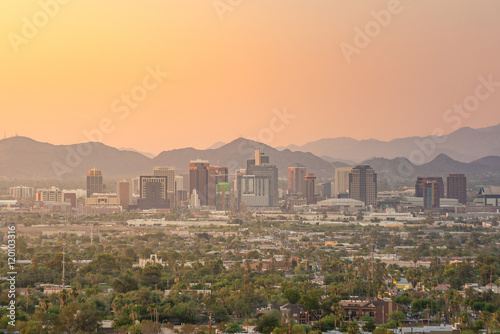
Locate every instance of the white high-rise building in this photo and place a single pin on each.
(342, 180)
(22, 192)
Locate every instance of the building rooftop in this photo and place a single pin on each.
(490, 190)
(339, 201)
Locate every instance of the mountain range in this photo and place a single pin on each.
(465, 144)
(25, 158)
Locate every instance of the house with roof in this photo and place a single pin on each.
(355, 308)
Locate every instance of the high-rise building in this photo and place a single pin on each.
(216, 175)
(124, 192)
(309, 180)
(153, 192)
(254, 191)
(326, 189)
(258, 186)
(94, 182)
(456, 187)
(22, 192)
(169, 172)
(432, 195)
(204, 178)
(135, 186)
(179, 183)
(342, 181)
(296, 175)
(222, 200)
(363, 184)
(421, 181)
(198, 179)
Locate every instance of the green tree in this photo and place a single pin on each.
(352, 328)
(151, 275)
(233, 327)
(292, 295)
(80, 317)
(125, 283)
(397, 317)
(268, 322)
(369, 325)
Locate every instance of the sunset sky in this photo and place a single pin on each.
(229, 72)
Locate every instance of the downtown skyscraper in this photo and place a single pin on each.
(363, 184)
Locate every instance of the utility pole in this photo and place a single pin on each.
(373, 250)
(428, 320)
(210, 323)
(63, 267)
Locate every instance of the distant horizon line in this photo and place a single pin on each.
(223, 143)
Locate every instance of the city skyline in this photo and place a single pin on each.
(259, 167)
(229, 71)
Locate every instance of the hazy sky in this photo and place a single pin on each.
(230, 69)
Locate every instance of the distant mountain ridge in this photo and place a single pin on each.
(465, 144)
(25, 158)
(22, 157)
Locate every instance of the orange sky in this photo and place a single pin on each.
(228, 76)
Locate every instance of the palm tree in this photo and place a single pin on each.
(63, 296)
(152, 309)
(133, 312)
(45, 304)
(74, 293)
(28, 293)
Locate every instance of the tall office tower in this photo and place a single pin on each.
(431, 195)
(153, 192)
(181, 193)
(179, 183)
(94, 182)
(309, 180)
(363, 184)
(254, 191)
(198, 179)
(135, 186)
(260, 159)
(296, 175)
(169, 172)
(124, 192)
(259, 185)
(216, 175)
(342, 181)
(420, 184)
(326, 189)
(456, 187)
(222, 200)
